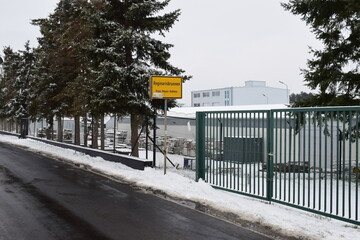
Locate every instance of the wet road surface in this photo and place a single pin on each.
(41, 198)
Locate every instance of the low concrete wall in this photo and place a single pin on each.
(129, 161)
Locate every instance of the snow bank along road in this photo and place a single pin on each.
(41, 198)
(269, 218)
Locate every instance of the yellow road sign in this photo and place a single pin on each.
(164, 87)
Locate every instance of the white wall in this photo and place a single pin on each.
(254, 96)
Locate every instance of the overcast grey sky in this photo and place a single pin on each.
(220, 43)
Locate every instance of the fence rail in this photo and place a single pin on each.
(305, 157)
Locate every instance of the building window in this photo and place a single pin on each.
(227, 94)
(206, 94)
(196, 104)
(196, 95)
(227, 103)
(215, 104)
(216, 94)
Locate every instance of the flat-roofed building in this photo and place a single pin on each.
(253, 93)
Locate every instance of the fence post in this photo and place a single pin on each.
(270, 155)
(200, 146)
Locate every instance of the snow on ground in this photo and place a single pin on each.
(190, 112)
(181, 184)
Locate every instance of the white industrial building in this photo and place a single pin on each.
(253, 93)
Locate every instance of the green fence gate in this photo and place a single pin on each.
(302, 157)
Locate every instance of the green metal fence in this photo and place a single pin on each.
(306, 157)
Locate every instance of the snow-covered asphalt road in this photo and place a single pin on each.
(41, 198)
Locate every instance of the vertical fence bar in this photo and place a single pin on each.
(338, 157)
(350, 142)
(235, 136)
(309, 157)
(231, 145)
(223, 160)
(298, 129)
(285, 160)
(214, 150)
(207, 147)
(320, 161)
(314, 161)
(250, 154)
(222, 132)
(255, 152)
(251, 138)
(296, 163)
(279, 165)
(343, 163)
(219, 146)
(304, 161)
(290, 157)
(357, 167)
(235, 160)
(243, 151)
(276, 148)
(226, 172)
(264, 159)
(270, 154)
(216, 147)
(239, 159)
(326, 132)
(200, 145)
(213, 153)
(246, 153)
(332, 160)
(258, 150)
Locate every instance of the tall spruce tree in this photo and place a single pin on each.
(334, 70)
(15, 81)
(131, 54)
(100, 54)
(25, 75)
(59, 62)
(10, 68)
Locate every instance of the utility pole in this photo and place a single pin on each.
(267, 99)
(287, 92)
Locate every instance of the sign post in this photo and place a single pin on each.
(165, 134)
(165, 87)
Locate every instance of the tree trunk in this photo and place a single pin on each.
(95, 131)
(50, 129)
(77, 130)
(17, 126)
(134, 135)
(102, 133)
(85, 131)
(60, 129)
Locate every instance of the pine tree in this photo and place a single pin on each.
(334, 70)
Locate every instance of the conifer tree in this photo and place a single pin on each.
(10, 68)
(334, 70)
(59, 63)
(133, 25)
(15, 81)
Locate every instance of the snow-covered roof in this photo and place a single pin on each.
(190, 112)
